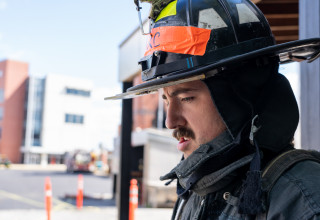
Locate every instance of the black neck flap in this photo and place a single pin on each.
(257, 88)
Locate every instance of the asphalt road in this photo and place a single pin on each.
(24, 189)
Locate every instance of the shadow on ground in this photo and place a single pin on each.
(98, 202)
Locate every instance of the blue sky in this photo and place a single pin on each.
(69, 37)
(78, 38)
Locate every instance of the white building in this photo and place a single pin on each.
(66, 114)
(62, 115)
(158, 152)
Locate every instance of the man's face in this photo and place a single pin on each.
(192, 115)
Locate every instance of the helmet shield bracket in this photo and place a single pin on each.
(137, 3)
(148, 62)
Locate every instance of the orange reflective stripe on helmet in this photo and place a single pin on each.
(178, 39)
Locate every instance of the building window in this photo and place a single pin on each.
(1, 113)
(75, 119)
(78, 92)
(1, 73)
(1, 95)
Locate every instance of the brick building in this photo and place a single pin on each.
(144, 109)
(13, 77)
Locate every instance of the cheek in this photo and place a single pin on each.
(200, 124)
(208, 124)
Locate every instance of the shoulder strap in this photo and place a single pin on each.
(282, 163)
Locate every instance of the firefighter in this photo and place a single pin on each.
(233, 114)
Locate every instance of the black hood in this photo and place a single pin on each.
(252, 89)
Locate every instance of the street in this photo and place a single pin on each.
(24, 189)
(22, 196)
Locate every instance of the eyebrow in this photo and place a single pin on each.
(179, 91)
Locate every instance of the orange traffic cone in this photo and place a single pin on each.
(48, 197)
(80, 192)
(133, 198)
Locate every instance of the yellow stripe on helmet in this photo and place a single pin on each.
(169, 10)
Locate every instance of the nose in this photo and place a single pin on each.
(174, 117)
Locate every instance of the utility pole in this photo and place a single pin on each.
(125, 152)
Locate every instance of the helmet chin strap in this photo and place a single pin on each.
(254, 129)
(251, 195)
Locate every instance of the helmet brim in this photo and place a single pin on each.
(308, 49)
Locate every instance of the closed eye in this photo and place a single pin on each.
(187, 99)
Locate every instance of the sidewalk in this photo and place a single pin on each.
(37, 167)
(48, 167)
(84, 214)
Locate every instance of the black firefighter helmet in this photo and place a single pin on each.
(195, 39)
(204, 40)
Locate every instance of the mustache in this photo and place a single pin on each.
(183, 132)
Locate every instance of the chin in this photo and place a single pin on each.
(185, 155)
